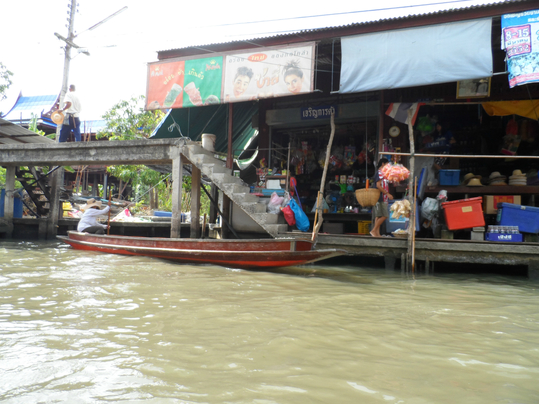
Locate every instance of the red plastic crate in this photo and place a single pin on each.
(464, 213)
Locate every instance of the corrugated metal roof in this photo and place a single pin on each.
(444, 8)
(15, 134)
(25, 107)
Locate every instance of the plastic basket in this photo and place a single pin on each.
(367, 197)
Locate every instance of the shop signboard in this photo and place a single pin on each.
(231, 77)
(520, 39)
(321, 112)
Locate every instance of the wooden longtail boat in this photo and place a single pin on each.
(243, 253)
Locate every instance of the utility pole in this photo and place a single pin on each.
(67, 57)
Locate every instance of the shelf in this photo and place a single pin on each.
(343, 217)
(486, 190)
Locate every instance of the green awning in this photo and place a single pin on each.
(195, 121)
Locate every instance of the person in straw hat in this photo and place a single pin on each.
(72, 107)
(88, 222)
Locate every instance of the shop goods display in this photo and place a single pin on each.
(525, 217)
(464, 213)
(517, 179)
(496, 178)
(474, 182)
(469, 177)
(400, 209)
(400, 233)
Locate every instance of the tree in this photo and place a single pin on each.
(5, 81)
(127, 120)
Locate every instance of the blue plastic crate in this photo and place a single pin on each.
(449, 177)
(525, 217)
(514, 238)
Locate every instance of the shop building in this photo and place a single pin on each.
(451, 64)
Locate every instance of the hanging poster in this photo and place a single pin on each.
(184, 83)
(165, 85)
(520, 39)
(269, 72)
(231, 77)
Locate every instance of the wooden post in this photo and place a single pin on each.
(177, 180)
(213, 209)
(9, 202)
(57, 180)
(319, 204)
(230, 153)
(410, 188)
(195, 202)
(225, 216)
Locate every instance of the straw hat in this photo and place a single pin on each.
(57, 117)
(474, 182)
(517, 173)
(470, 176)
(495, 178)
(494, 175)
(90, 203)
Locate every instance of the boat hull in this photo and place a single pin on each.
(244, 254)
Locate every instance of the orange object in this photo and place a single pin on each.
(367, 184)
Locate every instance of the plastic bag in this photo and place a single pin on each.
(429, 208)
(275, 203)
(289, 215)
(302, 221)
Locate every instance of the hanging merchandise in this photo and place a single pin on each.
(310, 162)
(395, 173)
(511, 140)
(349, 156)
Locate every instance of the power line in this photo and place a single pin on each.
(342, 13)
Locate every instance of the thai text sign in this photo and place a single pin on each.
(231, 77)
(520, 39)
(322, 112)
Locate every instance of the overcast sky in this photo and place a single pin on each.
(121, 47)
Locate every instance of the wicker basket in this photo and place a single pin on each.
(367, 196)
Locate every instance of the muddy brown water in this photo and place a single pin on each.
(82, 327)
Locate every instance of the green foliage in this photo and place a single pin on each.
(5, 80)
(127, 120)
(33, 126)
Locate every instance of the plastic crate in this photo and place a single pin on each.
(392, 226)
(449, 177)
(464, 213)
(513, 238)
(525, 217)
(363, 226)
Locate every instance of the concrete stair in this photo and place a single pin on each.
(238, 192)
